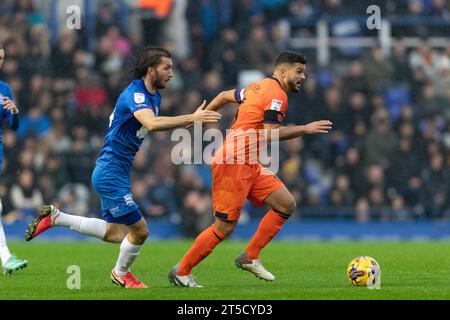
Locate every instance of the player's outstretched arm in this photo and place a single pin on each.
(291, 132)
(148, 119)
(12, 115)
(221, 100)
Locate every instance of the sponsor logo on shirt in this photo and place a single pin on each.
(142, 132)
(114, 210)
(276, 105)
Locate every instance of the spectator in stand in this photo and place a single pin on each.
(90, 92)
(62, 57)
(436, 177)
(26, 198)
(259, 52)
(34, 123)
(65, 93)
(106, 18)
(381, 141)
(378, 70)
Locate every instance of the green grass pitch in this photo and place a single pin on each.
(304, 270)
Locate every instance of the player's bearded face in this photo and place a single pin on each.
(163, 73)
(160, 81)
(296, 76)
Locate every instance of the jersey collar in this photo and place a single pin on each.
(278, 81)
(142, 84)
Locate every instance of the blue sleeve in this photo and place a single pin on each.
(139, 101)
(8, 92)
(13, 119)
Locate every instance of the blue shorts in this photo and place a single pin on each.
(128, 219)
(114, 189)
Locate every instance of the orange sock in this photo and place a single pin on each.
(269, 226)
(203, 245)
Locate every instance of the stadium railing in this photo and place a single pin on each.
(350, 32)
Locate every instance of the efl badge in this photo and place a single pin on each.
(276, 105)
(139, 98)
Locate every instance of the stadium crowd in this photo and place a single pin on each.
(387, 157)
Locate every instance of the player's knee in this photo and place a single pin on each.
(228, 230)
(117, 238)
(225, 227)
(114, 235)
(291, 207)
(287, 207)
(140, 235)
(143, 233)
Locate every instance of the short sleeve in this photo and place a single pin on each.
(275, 106)
(140, 101)
(9, 93)
(11, 118)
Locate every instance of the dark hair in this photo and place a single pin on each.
(149, 57)
(290, 57)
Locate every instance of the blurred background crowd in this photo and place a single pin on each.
(387, 157)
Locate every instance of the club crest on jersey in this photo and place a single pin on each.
(139, 97)
(128, 200)
(276, 105)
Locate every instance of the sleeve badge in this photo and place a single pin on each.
(276, 105)
(139, 98)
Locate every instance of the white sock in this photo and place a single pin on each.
(89, 226)
(128, 253)
(4, 251)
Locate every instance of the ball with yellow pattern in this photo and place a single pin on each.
(363, 271)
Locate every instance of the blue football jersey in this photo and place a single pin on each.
(12, 119)
(125, 133)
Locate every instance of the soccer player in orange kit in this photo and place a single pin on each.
(263, 106)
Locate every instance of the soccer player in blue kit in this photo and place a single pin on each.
(135, 113)
(10, 112)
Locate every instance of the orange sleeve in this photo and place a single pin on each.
(275, 99)
(275, 105)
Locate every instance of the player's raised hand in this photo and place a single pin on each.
(202, 106)
(203, 115)
(321, 126)
(10, 105)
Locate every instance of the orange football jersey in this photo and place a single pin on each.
(261, 102)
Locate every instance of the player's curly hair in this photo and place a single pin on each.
(290, 57)
(150, 56)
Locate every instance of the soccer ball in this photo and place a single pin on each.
(363, 271)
